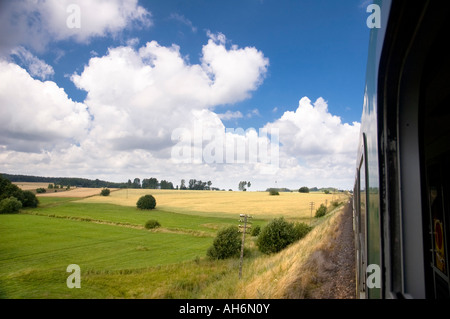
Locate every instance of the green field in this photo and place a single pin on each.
(117, 256)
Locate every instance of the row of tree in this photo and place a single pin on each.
(12, 198)
(153, 183)
(148, 183)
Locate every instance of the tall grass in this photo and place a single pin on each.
(287, 274)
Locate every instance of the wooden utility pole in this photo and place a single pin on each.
(311, 205)
(243, 218)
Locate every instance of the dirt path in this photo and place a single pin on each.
(336, 264)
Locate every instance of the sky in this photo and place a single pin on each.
(241, 90)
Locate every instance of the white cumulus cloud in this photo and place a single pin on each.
(37, 116)
(35, 66)
(36, 23)
(138, 97)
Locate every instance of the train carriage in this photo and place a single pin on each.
(402, 184)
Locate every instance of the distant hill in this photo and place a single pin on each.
(66, 181)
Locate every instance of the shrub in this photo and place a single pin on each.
(273, 192)
(303, 189)
(321, 211)
(10, 205)
(41, 190)
(256, 230)
(105, 192)
(335, 203)
(146, 202)
(301, 230)
(279, 234)
(152, 224)
(226, 244)
(30, 200)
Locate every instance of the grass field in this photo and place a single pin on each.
(119, 258)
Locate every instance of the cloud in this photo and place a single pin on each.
(254, 112)
(315, 141)
(312, 130)
(35, 66)
(37, 23)
(139, 96)
(182, 19)
(229, 115)
(37, 116)
(234, 73)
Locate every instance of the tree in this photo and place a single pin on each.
(243, 184)
(166, 185)
(197, 184)
(321, 211)
(209, 185)
(150, 183)
(30, 200)
(137, 183)
(274, 192)
(183, 184)
(105, 192)
(146, 202)
(279, 234)
(8, 190)
(303, 189)
(10, 205)
(226, 244)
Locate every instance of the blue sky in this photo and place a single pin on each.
(314, 51)
(315, 48)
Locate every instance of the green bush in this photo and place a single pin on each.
(279, 234)
(227, 244)
(321, 211)
(301, 230)
(10, 205)
(41, 190)
(146, 202)
(152, 224)
(256, 231)
(105, 192)
(335, 203)
(8, 189)
(30, 200)
(303, 189)
(273, 192)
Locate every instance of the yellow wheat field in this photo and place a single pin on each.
(222, 203)
(28, 186)
(75, 192)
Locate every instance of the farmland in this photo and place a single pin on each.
(119, 258)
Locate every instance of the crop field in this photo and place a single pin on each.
(80, 192)
(118, 257)
(221, 203)
(26, 186)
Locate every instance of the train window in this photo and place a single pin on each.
(435, 114)
(361, 223)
